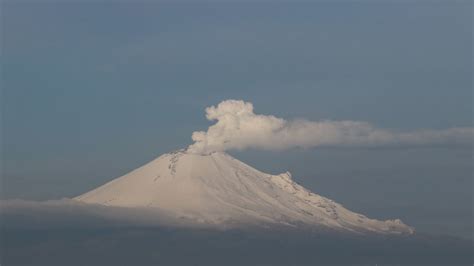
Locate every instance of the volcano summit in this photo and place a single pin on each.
(217, 190)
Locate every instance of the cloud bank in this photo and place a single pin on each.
(239, 128)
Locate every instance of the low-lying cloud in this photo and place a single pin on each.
(239, 128)
(66, 232)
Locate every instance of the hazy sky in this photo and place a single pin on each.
(91, 91)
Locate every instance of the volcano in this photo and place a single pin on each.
(217, 190)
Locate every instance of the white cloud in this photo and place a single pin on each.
(238, 128)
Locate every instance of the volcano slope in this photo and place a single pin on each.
(217, 190)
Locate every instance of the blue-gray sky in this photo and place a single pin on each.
(93, 90)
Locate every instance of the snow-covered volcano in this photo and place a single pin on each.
(217, 189)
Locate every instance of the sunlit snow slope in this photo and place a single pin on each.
(217, 189)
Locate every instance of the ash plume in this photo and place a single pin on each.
(237, 127)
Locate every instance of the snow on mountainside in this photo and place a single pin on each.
(219, 190)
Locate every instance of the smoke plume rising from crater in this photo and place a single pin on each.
(238, 127)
